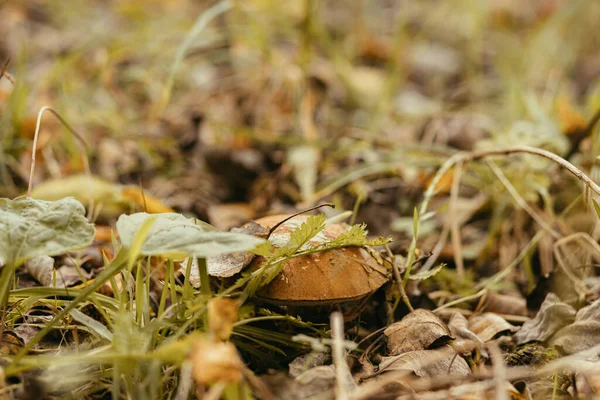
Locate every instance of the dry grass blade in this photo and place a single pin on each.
(80, 138)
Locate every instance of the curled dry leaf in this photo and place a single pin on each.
(42, 270)
(427, 363)
(552, 316)
(419, 330)
(316, 383)
(229, 264)
(504, 304)
(305, 362)
(112, 198)
(227, 216)
(222, 313)
(465, 338)
(582, 334)
(489, 326)
(215, 362)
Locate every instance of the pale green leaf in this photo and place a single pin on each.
(596, 207)
(31, 228)
(309, 229)
(422, 275)
(173, 235)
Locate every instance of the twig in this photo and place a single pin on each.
(499, 370)
(4, 72)
(398, 278)
(277, 225)
(454, 222)
(86, 165)
(339, 359)
(521, 201)
(476, 155)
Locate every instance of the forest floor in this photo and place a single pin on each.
(428, 170)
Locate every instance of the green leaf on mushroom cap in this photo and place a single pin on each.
(31, 228)
(175, 236)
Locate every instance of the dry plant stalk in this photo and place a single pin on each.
(86, 163)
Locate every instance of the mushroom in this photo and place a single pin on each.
(313, 285)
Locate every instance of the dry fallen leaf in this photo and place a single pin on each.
(427, 363)
(504, 304)
(465, 339)
(42, 270)
(489, 326)
(582, 334)
(215, 362)
(552, 316)
(419, 330)
(222, 313)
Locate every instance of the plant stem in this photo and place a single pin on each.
(204, 278)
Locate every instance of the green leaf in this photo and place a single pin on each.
(596, 207)
(31, 228)
(422, 275)
(309, 229)
(175, 236)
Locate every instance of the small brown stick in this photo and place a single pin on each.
(499, 370)
(4, 72)
(277, 225)
(398, 278)
(86, 165)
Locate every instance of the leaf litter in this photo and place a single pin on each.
(114, 286)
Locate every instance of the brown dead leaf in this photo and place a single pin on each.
(571, 120)
(489, 326)
(316, 383)
(144, 201)
(215, 362)
(427, 363)
(11, 344)
(503, 304)
(419, 330)
(465, 339)
(582, 334)
(552, 316)
(42, 270)
(227, 216)
(222, 313)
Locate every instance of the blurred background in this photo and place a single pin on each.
(231, 110)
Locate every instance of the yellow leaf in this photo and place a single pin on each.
(144, 201)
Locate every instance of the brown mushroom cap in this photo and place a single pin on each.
(329, 276)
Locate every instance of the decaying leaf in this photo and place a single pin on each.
(582, 334)
(173, 235)
(419, 330)
(221, 266)
(42, 269)
(488, 326)
(112, 198)
(215, 362)
(427, 363)
(465, 338)
(222, 313)
(504, 304)
(552, 316)
(316, 383)
(31, 228)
